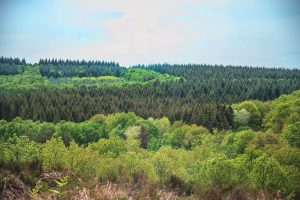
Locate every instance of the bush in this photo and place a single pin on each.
(268, 173)
(54, 154)
(111, 147)
(218, 171)
(292, 134)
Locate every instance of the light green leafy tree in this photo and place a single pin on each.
(111, 147)
(163, 124)
(241, 117)
(54, 154)
(283, 111)
(163, 166)
(218, 171)
(291, 133)
(236, 143)
(22, 149)
(193, 136)
(267, 172)
(82, 161)
(255, 119)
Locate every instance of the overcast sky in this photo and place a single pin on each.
(238, 32)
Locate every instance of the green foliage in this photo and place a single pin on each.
(82, 133)
(288, 156)
(111, 147)
(31, 75)
(218, 171)
(82, 161)
(291, 133)
(196, 94)
(263, 139)
(126, 149)
(187, 136)
(146, 75)
(283, 111)
(98, 117)
(54, 154)
(117, 123)
(236, 143)
(263, 107)
(177, 137)
(193, 136)
(132, 132)
(71, 68)
(267, 172)
(141, 75)
(20, 149)
(32, 79)
(163, 124)
(44, 133)
(61, 184)
(133, 164)
(62, 181)
(163, 166)
(241, 116)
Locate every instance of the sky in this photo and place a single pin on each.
(229, 32)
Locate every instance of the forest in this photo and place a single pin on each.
(97, 130)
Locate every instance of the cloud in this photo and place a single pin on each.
(145, 31)
(257, 32)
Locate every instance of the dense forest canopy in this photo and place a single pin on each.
(157, 131)
(130, 151)
(199, 94)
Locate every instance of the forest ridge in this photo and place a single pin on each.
(200, 94)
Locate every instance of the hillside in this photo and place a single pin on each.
(94, 129)
(54, 90)
(123, 155)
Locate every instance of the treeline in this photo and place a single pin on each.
(80, 104)
(217, 84)
(154, 158)
(224, 84)
(228, 84)
(11, 66)
(59, 68)
(68, 68)
(204, 71)
(152, 134)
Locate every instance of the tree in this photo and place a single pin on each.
(163, 125)
(82, 161)
(236, 143)
(132, 132)
(241, 117)
(99, 117)
(291, 133)
(54, 154)
(143, 137)
(177, 136)
(22, 149)
(283, 111)
(193, 136)
(217, 171)
(111, 147)
(267, 172)
(118, 122)
(163, 166)
(45, 132)
(255, 119)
